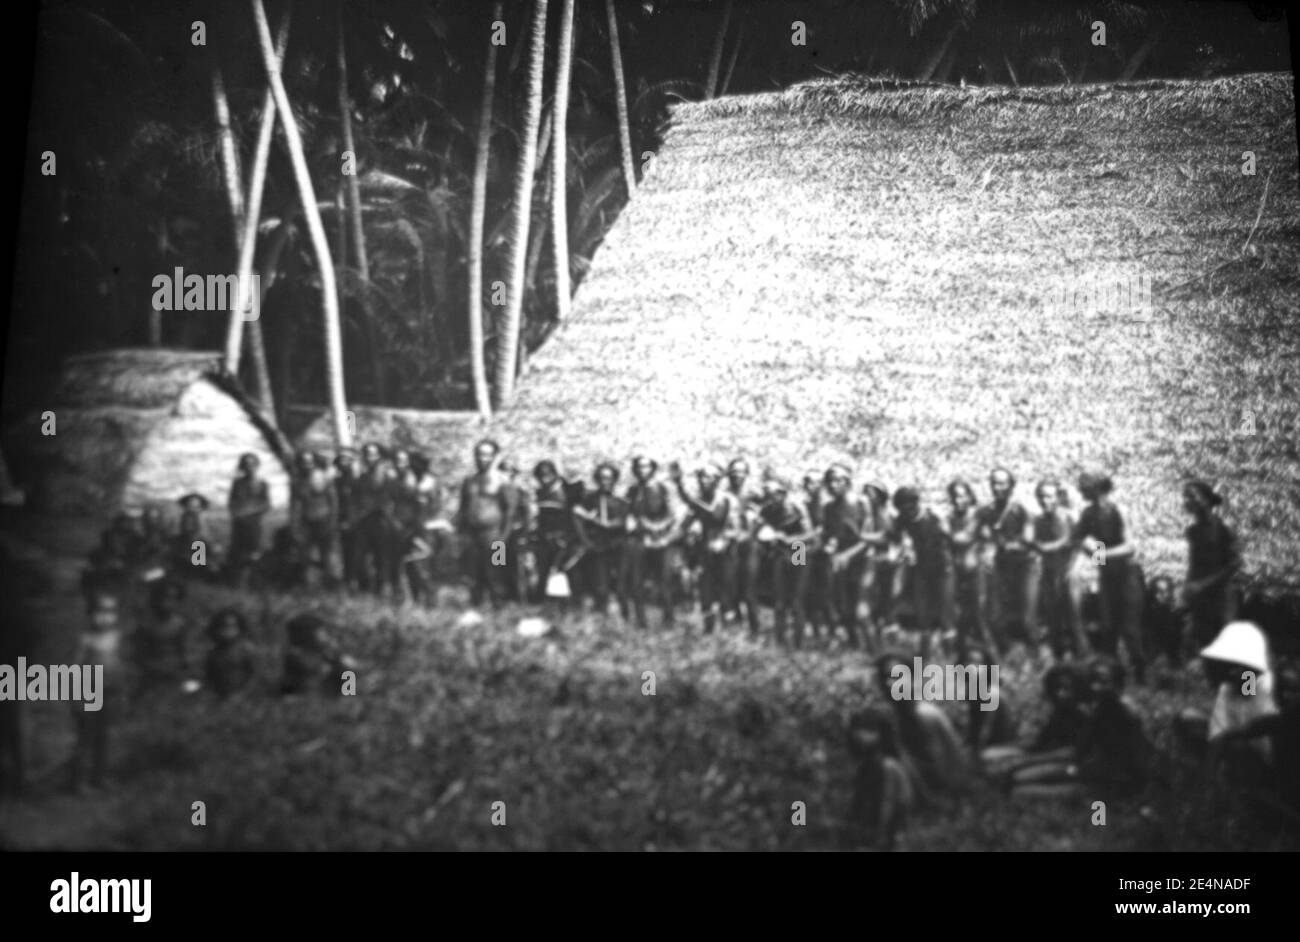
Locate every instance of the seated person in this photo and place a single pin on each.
(882, 790)
(929, 747)
(1066, 696)
(1110, 756)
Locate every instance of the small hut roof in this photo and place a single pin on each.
(131, 378)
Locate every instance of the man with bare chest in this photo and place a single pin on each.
(485, 519)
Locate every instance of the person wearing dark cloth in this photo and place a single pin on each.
(111, 565)
(314, 512)
(230, 666)
(1005, 525)
(191, 530)
(1066, 695)
(844, 518)
(554, 535)
(1212, 563)
(155, 541)
(748, 556)
(882, 789)
(346, 477)
(1110, 758)
(989, 729)
(1162, 622)
(785, 534)
(817, 595)
(1100, 535)
(372, 507)
(424, 535)
(931, 580)
(313, 663)
(485, 519)
(650, 550)
(249, 502)
(601, 518)
(880, 563)
(160, 645)
(404, 526)
(715, 515)
(1050, 535)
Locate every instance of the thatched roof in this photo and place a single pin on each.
(145, 426)
(133, 379)
(846, 270)
(443, 435)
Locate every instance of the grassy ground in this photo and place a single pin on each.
(448, 720)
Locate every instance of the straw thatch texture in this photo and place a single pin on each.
(866, 273)
(444, 436)
(139, 427)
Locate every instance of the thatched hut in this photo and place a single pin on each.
(139, 427)
(867, 272)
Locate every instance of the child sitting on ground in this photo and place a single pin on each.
(1065, 694)
(1110, 756)
(192, 530)
(312, 661)
(882, 791)
(1162, 622)
(989, 728)
(161, 643)
(231, 664)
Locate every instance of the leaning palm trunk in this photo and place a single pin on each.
(715, 60)
(478, 208)
(310, 211)
(935, 59)
(354, 219)
(1139, 57)
(508, 345)
(559, 187)
(620, 100)
(731, 63)
(247, 221)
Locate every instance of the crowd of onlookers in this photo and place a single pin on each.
(969, 581)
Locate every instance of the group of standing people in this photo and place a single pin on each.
(828, 558)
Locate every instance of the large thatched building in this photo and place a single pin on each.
(139, 427)
(851, 271)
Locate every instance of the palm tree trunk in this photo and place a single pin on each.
(620, 100)
(537, 239)
(478, 209)
(944, 71)
(508, 345)
(354, 219)
(1011, 71)
(307, 195)
(731, 63)
(932, 63)
(248, 217)
(559, 179)
(715, 60)
(270, 274)
(1140, 55)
